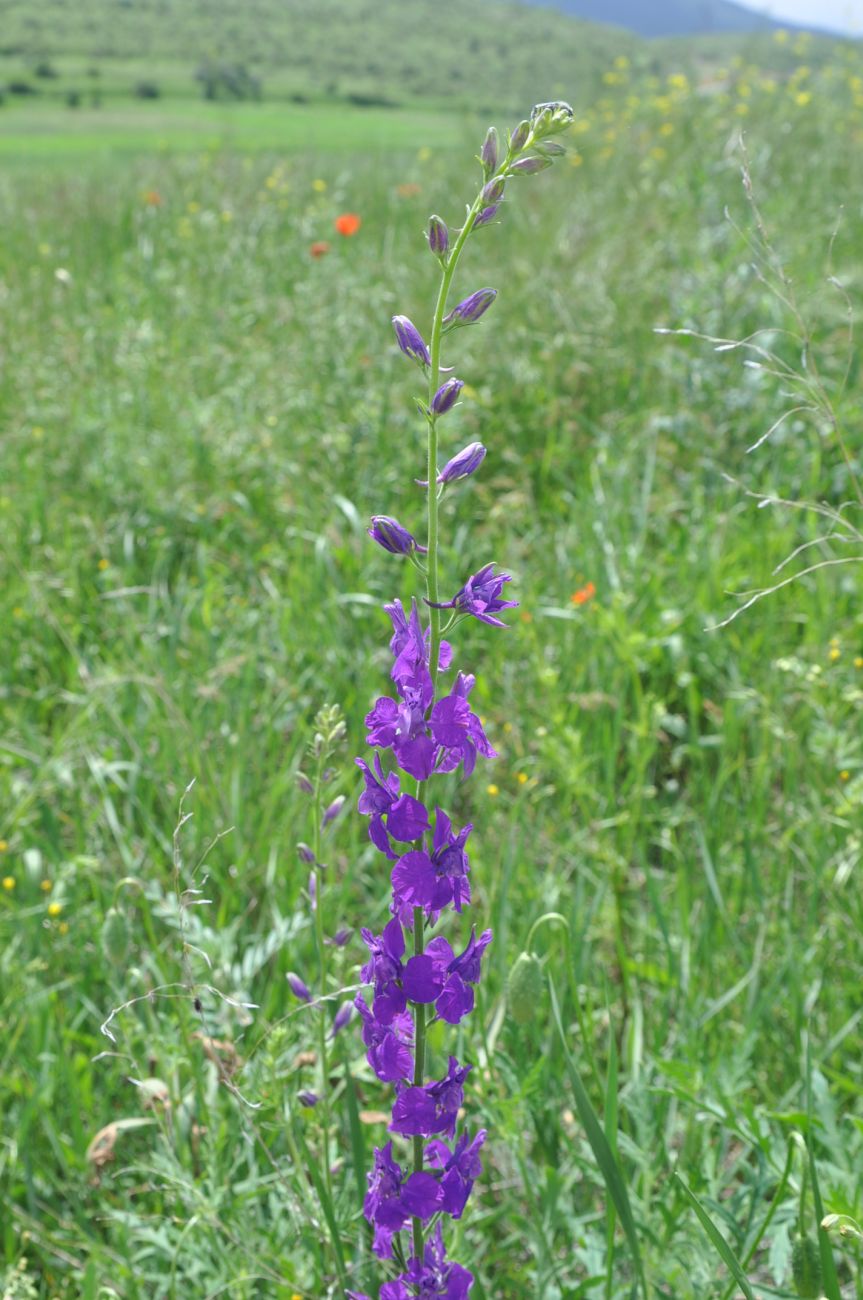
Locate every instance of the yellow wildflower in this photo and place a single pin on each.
(319, 186)
(54, 909)
(8, 883)
(492, 789)
(46, 886)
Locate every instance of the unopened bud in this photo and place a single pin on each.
(332, 812)
(297, 986)
(438, 236)
(465, 462)
(488, 214)
(411, 341)
(342, 1018)
(446, 396)
(489, 151)
(530, 166)
(493, 191)
(390, 534)
(525, 988)
(307, 1098)
(304, 783)
(305, 852)
(470, 309)
(518, 139)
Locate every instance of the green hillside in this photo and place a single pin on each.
(367, 51)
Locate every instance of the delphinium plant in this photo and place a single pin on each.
(426, 1171)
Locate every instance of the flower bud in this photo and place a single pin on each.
(446, 396)
(489, 151)
(390, 534)
(307, 1098)
(410, 341)
(304, 783)
(340, 938)
(332, 812)
(298, 987)
(518, 139)
(465, 462)
(313, 891)
(438, 236)
(525, 988)
(305, 852)
(114, 937)
(552, 149)
(488, 214)
(493, 191)
(530, 166)
(342, 1018)
(470, 309)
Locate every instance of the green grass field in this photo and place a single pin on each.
(198, 419)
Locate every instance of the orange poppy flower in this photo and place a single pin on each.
(584, 594)
(319, 248)
(153, 198)
(348, 223)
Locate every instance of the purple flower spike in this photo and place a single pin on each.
(446, 396)
(390, 534)
(423, 1112)
(298, 987)
(438, 236)
(480, 596)
(488, 214)
(469, 311)
(410, 341)
(465, 462)
(460, 1169)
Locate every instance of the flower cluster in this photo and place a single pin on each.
(423, 730)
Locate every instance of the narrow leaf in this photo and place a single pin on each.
(732, 1263)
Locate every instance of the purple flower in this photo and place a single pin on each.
(467, 965)
(480, 596)
(390, 534)
(456, 998)
(384, 970)
(390, 1202)
(446, 396)
(304, 783)
(488, 214)
(379, 795)
(465, 462)
(431, 881)
(307, 1099)
(470, 309)
(388, 1046)
(432, 1278)
(409, 630)
(410, 341)
(488, 155)
(298, 987)
(306, 854)
(438, 236)
(407, 819)
(460, 1169)
(342, 1018)
(457, 730)
(423, 1112)
(425, 974)
(340, 938)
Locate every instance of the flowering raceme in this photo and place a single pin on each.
(418, 735)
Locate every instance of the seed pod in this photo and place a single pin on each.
(115, 936)
(525, 988)
(806, 1268)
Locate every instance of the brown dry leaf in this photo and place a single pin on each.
(101, 1149)
(220, 1051)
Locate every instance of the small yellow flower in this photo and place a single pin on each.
(658, 153)
(8, 883)
(192, 208)
(621, 62)
(858, 661)
(103, 564)
(17, 611)
(38, 432)
(507, 726)
(835, 653)
(319, 186)
(781, 37)
(742, 109)
(45, 250)
(802, 98)
(522, 778)
(54, 909)
(46, 886)
(492, 789)
(227, 216)
(424, 154)
(845, 775)
(575, 160)
(4, 844)
(667, 128)
(63, 927)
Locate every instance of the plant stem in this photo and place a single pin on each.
(322, 988)
(435, 619)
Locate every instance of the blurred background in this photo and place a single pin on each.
(210, 213)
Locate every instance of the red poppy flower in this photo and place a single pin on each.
(348, 223)
(319, 248)
(584, 594)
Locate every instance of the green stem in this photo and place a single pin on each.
(322, 983)
(435, 619)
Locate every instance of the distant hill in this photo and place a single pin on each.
(666, 17)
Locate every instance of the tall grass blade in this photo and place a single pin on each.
(732, 1263)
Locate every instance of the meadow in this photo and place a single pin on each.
(202, 407)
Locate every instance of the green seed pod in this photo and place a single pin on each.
(115, 936)
(525, 988)
(806, 1267)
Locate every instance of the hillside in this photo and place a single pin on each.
(666, 17)
(372, 51)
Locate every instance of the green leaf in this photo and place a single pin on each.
(602, 1151)
(731, 1261)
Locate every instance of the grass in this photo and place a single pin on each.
(199, 418)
